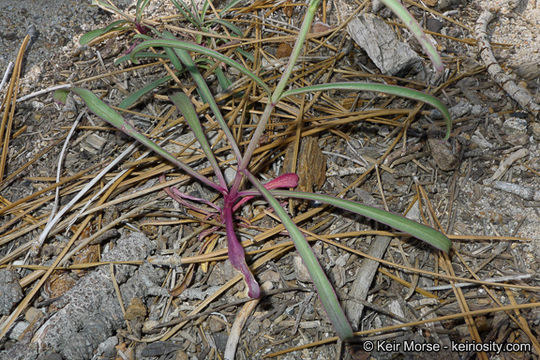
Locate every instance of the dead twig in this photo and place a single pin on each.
(516, 92)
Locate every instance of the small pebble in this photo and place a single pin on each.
(443, 153)
(535, 128)
(32, 314)
(515, 126)
(18, 330)
(300, 269)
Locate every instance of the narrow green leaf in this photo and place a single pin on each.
(91, 35)
(223, 80)
(201, 50)
(280, 87)
(108, 5)
(184, 10)
(143, 36)
(296, 50)
(133, 98)
(411, 24)
(206, 95)
(141, 4)
(326, 292)
(174, 59)
(204, 10)
(246, 54)
(141, 55)
(108, 114)
(419, 231)
(184, 105)
(235, 29)
(196, 14)
(387, 89)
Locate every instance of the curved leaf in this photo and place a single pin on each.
(141, 55)
(419, 231)
(387, 89)
(228, 7)
(141, 4)
(185, 11)
(205, 93)
(131, 99)
(184, 105)
(235, 29)
(91, 35)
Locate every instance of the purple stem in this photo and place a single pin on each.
(178, 196)
(142, 29)
(194, 198)
(207, 232)
(236, 253)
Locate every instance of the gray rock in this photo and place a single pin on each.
(10, 291)
(515, 126)
(20, 351)
(89, 312)
(380, 42)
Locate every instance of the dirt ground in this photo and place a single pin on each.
(481, 188)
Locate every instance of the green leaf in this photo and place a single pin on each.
(174, 59)
(387, 89)
(108, 5)
(91, 35)
(235, 29)
(204, 9)
(201, 50)
(184, 105)
(206, 94)
(223, 80)
(419, 231)
(185, 11)
(141, 4)
(108, 114)
(246, 54)
(132, 99)
(280, 86)
(326, 291)
(141, 55)
(195, 14)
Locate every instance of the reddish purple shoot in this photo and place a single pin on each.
(232, 202)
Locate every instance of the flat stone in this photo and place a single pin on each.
(381, 44)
